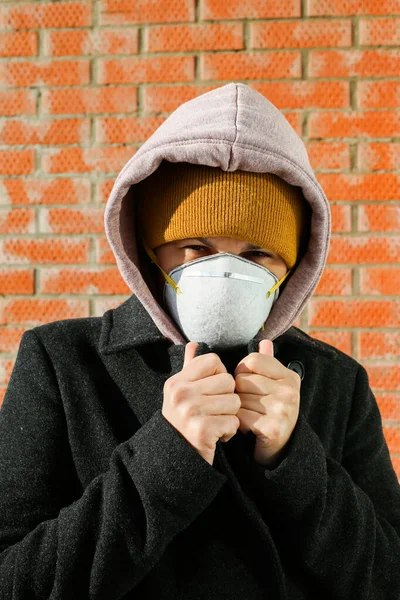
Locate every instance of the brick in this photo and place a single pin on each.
(17, 220)
(378, 94)
(353, 63)
(90, 100)
(360, 186)
(305, 93)
(17, 102)
(146, 70)
(335, 282)
(94, 42)
(104, 253)
(392, 436)
(10, 338)
(380, 155)
(44, 73)
(168, 98)
(82, 281)
(17, 162)
(300, 34)
(377, 344)
(384, 376)
(6, 367)
(342, 340)
(71, 220)
(109, 159)
(354, 313)
(48, 15)
(124, 12)
(19, 43)
(373, 217)
(21, 251)
(396, 465)
(103, 190)
(364, 249)
(101, 305)
(16, 281)
(188, 38)
(342, 8)
(341, 218)
(294, 119)
(377, 281)
(126, 130)
(71, 190)
(250, 9)
(389, 406)
(49, 131)
(379, 32)
(329, 155)
(354, 124)
(37, 311)
(276, 65)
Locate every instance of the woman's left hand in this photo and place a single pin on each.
(270, 397)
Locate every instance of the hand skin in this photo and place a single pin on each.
(270, 397)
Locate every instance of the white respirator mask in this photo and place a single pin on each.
(221, 299)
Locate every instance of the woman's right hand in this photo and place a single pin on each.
(200, 402)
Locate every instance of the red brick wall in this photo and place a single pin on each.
(82, 86)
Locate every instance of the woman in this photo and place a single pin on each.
(192, 443)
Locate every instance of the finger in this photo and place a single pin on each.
(266, 347)
(190, 351)
(251, 383)
(256, 403)
(277, 411)
(262, 364)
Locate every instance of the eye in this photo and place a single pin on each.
(259, 253)
(194, 247)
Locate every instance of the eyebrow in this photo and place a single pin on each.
(206, 241)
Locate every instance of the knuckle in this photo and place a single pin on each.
(288, 392)
(230, 381)
(198, 435)
(178, 392)
(188, 410)
(296, 378)
(252, 359)
(274, 432)
(214, 359)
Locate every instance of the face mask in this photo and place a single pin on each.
(221, 299)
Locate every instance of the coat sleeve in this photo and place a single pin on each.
(56, 543)
(337, 525)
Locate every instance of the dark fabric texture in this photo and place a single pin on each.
(102, 498)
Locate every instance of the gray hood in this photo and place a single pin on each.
(231, 127)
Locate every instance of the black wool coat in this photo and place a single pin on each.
(102, 498)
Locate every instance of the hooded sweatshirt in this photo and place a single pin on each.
(232, 127)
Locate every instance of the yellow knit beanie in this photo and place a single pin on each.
(184, 200)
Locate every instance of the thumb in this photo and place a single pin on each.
(190, 351)
(266, 347)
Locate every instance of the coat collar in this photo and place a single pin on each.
(129, 328)
(130, 325)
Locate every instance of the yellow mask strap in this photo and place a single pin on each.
(155, 261)
(271, 291)
(176, 287)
